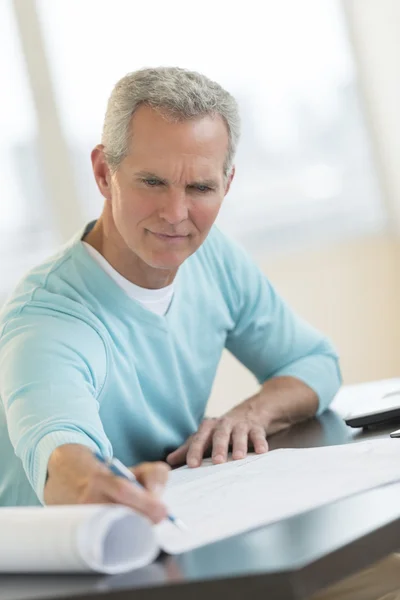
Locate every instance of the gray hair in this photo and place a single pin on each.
(177, 93)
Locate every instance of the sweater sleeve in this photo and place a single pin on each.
(270, 339)
(52, 369)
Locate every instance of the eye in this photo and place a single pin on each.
(152, 182)
(201, 188)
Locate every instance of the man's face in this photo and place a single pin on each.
(167, 192)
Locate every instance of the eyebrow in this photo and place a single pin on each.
(148, 175)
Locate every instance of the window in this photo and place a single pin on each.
(24, 226)
(304, 163)
(304, 166)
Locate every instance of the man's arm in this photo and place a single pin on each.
(52, 373)
(51, 366)
(282, 402)
(295, 364)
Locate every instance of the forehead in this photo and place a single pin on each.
(201, 141)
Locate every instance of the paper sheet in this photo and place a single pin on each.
(218, 501)
(103, 538)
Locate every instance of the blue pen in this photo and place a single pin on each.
(121, 470)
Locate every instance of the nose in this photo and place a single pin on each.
(174, 209)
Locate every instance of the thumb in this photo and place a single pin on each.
(152, 476)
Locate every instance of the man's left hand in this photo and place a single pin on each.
(239, 428)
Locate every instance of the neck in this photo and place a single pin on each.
(109, 244)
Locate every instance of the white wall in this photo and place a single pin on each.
(350, 291)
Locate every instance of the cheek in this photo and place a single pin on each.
(130, 208)
(204, 214)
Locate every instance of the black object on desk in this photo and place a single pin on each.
(381, 416)
(388, 416)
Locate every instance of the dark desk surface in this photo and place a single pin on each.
(291, 559)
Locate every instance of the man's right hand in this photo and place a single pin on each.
(75, 476)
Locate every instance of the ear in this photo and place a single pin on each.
(101, 171)
(230, 179)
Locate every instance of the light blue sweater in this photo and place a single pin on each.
(82, 362)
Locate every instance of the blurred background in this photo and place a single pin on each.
(316, 199)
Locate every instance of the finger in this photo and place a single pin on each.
(178, 456)
(220, 443)
(257, 437)
(108, 488)
(153, 476)
(200, 442)
(127, 493)
(240, 441)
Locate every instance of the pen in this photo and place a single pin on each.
(121, 470)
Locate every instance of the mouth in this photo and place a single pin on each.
(169, 238)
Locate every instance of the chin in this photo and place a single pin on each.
(167, 262)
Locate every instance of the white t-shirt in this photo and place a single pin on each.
(156, 301)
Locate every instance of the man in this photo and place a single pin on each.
(113, 343)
